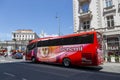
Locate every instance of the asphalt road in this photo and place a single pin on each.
(43, 71)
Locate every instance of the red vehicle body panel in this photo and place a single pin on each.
(79, 54)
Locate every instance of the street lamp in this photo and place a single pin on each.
(58, 19)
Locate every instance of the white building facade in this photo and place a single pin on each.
(24, 35)
(20, 39)
(101, 15)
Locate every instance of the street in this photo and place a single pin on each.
(21, 70)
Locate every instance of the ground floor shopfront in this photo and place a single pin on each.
(112, 45)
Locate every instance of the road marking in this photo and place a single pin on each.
(9, 74)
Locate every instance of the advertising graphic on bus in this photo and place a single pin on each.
(82, 49)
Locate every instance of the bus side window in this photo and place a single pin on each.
(67, 41)
(84, 39)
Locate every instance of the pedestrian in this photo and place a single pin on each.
(5, 54)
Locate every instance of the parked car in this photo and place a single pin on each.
(17, 56)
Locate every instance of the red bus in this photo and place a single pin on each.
(83, 49)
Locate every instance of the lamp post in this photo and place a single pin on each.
(58, 19)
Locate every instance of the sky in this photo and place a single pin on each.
(37, 15)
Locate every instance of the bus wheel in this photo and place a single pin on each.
(66, 62)
(33, 59)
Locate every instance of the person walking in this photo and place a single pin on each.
(5, 54)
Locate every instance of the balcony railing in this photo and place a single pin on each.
(84, 15)
(116, 28)
(109, 9)
(82, 1)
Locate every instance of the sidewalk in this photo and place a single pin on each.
(111, 67)
(10, 59)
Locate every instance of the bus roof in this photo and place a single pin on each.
(74, 34)
(39, 39)
(65, 36)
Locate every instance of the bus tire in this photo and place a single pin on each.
(66, 62)
(33, 59)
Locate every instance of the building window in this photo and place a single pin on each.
(108, 3)
(14, 35)
(33, 36)
(119, 7)
(113, 43)
(85, 7)
(86, 25)
(110, 21)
